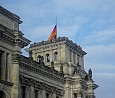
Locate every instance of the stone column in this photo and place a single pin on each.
(9, 67)
(15, 76)
(28, 93)
(43, 54)
(59, 54)
(82, 60)
(40, 94)
(79, 96)
(3, 66)
(53, 95)
(32, 92)
(43, 94)
(72, 57)
(68, 90)
(75, 59)
(51, 55)
(34, 55)
(20, 90)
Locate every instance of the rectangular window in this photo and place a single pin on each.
(74, 59)
(70, 56)
(47, 95)
(23, 92)
(57, 96)
(75, 95)
(47, 58)
(78, 59)
(55, 56)
(36, 93)
(0, 64)
(1, 60)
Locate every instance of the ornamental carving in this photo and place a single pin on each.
(32, 82)
(15, 57)
(26, 82)
(49, 88)
(32, 65)
(40, 85)
(60, 92)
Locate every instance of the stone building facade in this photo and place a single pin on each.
(52, 70)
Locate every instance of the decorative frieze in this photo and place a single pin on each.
(13, 37)
(40, 85)
(5, 37)
(15, 58)
(49, 42)
(27, 63)
(6, 83)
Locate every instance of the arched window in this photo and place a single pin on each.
(55, 56)
(36, 93)
(75, 95)
(70, 56)
(47, 95)
(2, 94)
(74, 59)
(57, 96)
(77, 59)
(0, 64)
(38, 58)
(47, 57)
(24, 87)
(23, 91)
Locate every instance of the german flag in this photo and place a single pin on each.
(53, 35)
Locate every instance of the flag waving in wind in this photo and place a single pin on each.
(53, 35)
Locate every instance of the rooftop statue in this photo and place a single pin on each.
(90, 73)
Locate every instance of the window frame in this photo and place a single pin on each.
(56, 56)
(47, 58)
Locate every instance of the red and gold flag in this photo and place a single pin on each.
(53, 35)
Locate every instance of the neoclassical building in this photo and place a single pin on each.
(52, 70)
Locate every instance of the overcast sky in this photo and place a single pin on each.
(89, 23)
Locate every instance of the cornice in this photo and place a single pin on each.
(60, 39)
(13, 37)
(6, 83)
(10, 15)
(20, 40)
(64, 40)
(34, 66)
(75, 47)
(9, 37)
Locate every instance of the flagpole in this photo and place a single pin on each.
(56, 20)
(56, 25)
